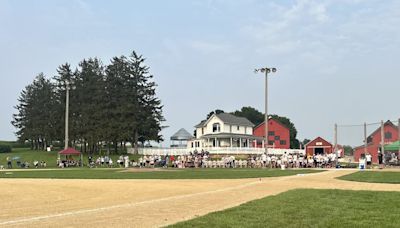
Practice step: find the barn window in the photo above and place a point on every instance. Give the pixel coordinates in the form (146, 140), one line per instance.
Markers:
(271, 142)
(277, 137)
(271, 133)
(282, 142)
(388, 135)
(216, 127)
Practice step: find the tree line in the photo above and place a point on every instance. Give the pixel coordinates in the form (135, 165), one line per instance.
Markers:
(109, 105)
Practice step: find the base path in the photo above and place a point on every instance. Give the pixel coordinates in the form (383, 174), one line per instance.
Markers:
(145, 203)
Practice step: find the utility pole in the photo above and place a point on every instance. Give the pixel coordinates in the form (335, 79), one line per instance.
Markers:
(266, 70)
(365, 138)
(383, 141)
(335, 141)
(398, 136)
(67, 88)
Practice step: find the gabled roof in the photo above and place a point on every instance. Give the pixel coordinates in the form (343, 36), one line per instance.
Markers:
(234, 120)
(182, 134)
(228, 118)
(272, 119)
(317, 139)
(387, 123)
(201, 124)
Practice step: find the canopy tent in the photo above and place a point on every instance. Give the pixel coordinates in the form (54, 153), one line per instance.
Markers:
(69, 151)
(392, 147)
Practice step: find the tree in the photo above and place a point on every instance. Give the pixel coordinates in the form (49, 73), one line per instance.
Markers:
(35, 119)
(217, 111)
(252, 114)
(146, 123)
(111, 104)
(304, 142)
(348, 150)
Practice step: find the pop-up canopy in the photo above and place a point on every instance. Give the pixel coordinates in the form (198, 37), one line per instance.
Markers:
(69, 151)
(392, 147)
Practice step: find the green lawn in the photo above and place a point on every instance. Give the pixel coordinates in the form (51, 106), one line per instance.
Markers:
(309, 208)
(86, 173)
(373, 177)
(49, 157)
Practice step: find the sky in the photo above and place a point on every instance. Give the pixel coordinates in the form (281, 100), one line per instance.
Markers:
(337, 60)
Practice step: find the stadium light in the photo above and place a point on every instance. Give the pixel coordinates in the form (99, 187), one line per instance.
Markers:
(266, 70)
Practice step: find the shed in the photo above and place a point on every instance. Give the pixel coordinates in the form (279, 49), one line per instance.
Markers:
(318, 146)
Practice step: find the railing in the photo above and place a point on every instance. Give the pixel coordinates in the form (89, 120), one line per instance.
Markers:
(215, 150)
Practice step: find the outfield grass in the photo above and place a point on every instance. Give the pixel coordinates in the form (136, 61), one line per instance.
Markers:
(373, 177)
(309, 208)
(86, 173)
(50, 158)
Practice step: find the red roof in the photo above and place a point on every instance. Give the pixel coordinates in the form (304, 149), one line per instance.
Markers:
(69, 151)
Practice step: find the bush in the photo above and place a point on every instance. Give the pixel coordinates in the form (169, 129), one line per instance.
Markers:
(5, 148)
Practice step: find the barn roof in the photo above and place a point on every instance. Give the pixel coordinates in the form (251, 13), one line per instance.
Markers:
(317, 139)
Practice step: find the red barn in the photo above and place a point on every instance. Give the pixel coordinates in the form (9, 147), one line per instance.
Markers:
(278, 134)
(374, 141)
(318, 146)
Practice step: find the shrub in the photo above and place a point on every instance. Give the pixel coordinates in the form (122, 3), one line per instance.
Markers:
(5, 148)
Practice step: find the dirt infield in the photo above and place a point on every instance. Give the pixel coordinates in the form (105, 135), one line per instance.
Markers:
(145, 203)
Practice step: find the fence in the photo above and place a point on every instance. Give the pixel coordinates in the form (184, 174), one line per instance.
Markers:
(216, 150)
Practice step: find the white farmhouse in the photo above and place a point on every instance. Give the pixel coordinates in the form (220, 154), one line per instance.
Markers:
(224, 130)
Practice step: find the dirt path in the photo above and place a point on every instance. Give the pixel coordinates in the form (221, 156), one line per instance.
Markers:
(145, 203)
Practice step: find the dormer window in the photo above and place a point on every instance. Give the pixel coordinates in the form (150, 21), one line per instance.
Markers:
(216, 127)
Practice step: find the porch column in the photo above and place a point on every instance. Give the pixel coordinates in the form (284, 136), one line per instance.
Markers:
(208, 143)
(248, 143)
(231, 142)
(216, 142)
(240, 142)
(263, 144)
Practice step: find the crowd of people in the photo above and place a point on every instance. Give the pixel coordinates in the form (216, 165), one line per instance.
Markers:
(204, 160)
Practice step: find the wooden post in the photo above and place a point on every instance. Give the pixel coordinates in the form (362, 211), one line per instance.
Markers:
(365, 138)
(383, 141)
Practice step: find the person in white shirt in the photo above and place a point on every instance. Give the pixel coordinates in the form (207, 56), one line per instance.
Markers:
(368, 158)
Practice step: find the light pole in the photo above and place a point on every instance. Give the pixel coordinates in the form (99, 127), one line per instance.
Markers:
(67, 88)
(266, 70)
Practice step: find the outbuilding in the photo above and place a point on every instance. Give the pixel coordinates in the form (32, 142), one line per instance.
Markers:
(318, 146)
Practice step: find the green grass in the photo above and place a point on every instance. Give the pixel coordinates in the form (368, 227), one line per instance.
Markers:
(373, 177)
(28, 155)
(86, 173)
(309, 208)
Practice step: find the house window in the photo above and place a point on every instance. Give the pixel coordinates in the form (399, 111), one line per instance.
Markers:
(271, 142)
(271, 133)
(202, 130)
(216, 127)
(369, 139)
(238, 128)
(277, 137)
(388, 135)
(282, 142)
